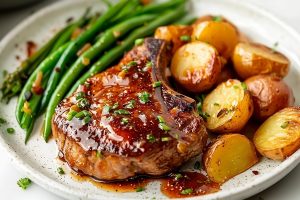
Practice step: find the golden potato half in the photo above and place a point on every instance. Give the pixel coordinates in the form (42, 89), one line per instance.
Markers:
(196, 66)
(229, 156)
(252, 59)
(222, 35)
(279, 136)
(269, 94)
(178, 35)
(228, 107)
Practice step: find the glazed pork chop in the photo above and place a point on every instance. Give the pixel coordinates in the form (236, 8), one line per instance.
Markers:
(127, 121)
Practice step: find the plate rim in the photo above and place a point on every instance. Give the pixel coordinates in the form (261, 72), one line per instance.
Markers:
(44, 181)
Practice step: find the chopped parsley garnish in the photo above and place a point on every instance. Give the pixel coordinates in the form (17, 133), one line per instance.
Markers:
(99, 154)
(284, 125)
(144, 97)
(161, 119)
(10, 130)
(156, 84)
(151, 138)
(106, 109)
(80, 95)
(82, 114)
(122, 112)
(132, 64)
(236, 87)
(24, 183)
(139, 189)
(216, 104)
(60, 171)
(165, 139)
(185, 38)
(130, 104)
(275, 45)
(244, 86)
(164, 127)
(115, 106)
(217, 18)
(197, 165)
(187, 191)
(148, 66)
(139, 41)
(178, 176)
(124, 121)
(2, 121)
(83, 103)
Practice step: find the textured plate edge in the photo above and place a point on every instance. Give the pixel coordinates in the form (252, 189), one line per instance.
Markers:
(258, 185)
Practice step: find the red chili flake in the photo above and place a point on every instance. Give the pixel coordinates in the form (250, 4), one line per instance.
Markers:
(31, 48)
(255, 172)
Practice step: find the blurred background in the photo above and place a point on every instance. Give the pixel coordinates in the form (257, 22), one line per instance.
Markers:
(13, 12)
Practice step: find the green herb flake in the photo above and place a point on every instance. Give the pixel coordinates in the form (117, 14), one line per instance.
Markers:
(2, 121)
(164, 127)
(165, 139)
(80, 95)
(61, 171)
(24, 183)
(216, 104)
(132, 64)
(236, 87)
(105, 110)
(178, 176)
(156, 84)
(204, 115)
(140, 189)
(187, 191)
(4, 73)
(115, 106)
(275, 45)
(161, 119)
(151, 138)
(197, 165)
(144, 97)
(185, 38)
(284, 125)
(124, 121)
(10, 130)
(139, 41)
(71, 114)
(244, 86)
(86, 120)
(83, 103)
(217, 18)
(122, 112)
(99, 154)
(130, 104)
(149, 64)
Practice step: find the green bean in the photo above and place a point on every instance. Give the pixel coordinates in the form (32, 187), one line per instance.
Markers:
(111, 56)
(76, 45)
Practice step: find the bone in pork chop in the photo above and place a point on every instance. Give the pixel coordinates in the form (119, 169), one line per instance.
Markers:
(127, 121)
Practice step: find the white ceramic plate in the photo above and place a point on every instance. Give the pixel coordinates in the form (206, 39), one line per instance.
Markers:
(38, 159)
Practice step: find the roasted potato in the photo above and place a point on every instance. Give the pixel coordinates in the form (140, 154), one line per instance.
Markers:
(228, 107)
(178, 35)
(269, 94)
(229, 156)
(251, 59)
(196, 66)
(222, 35)
(279, 136)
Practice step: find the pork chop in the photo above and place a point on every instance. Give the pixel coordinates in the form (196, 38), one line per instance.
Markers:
(127, 121)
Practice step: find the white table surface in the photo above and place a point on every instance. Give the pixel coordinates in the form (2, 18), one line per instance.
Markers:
(287, 188)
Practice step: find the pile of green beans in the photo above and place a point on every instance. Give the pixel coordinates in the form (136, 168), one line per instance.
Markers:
(63, 68)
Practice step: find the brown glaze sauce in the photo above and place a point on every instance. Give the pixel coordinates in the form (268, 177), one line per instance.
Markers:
(189, 184)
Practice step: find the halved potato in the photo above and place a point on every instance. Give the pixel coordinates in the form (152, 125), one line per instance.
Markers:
(196, 66)
(279, 136)
(269, 94)
(178, 35)
(251, 59)
(228, 107)
(229, 156)
(222, 35)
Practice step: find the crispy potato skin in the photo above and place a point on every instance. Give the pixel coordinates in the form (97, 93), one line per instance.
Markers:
(279, 136)
(212, 32)
(173, 34)
(252, 59)
(229, 156)
(269, 94)
(196, 66)
(229, 107)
